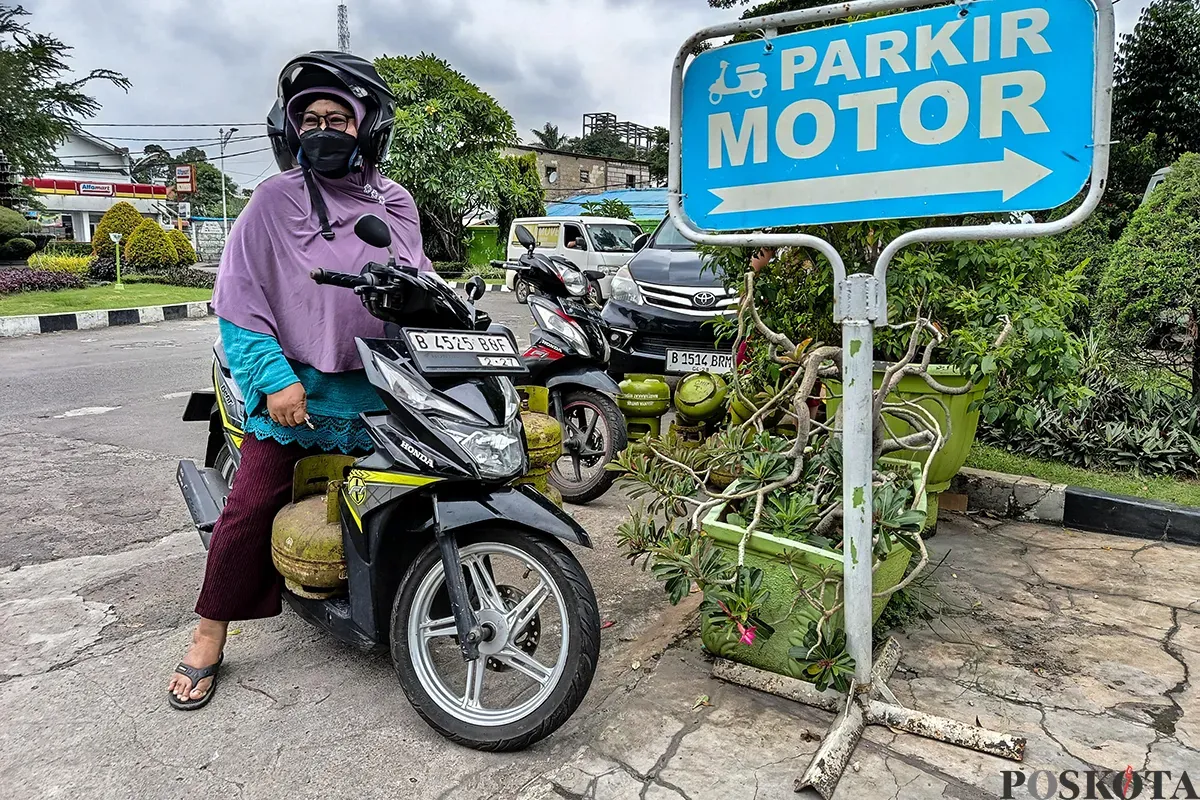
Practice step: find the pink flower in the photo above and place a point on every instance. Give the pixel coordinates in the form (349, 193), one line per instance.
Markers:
(747, 634)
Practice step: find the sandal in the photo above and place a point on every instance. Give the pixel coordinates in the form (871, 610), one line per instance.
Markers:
(196, 674)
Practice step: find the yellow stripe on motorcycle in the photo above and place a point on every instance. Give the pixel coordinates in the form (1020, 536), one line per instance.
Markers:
(392, 478)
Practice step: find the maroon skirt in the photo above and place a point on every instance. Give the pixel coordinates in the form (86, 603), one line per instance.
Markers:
(240, 581)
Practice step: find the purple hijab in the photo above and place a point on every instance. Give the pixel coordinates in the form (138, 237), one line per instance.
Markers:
(263, 283)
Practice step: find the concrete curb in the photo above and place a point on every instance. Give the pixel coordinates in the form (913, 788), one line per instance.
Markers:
(1033, 500)
(92, 320)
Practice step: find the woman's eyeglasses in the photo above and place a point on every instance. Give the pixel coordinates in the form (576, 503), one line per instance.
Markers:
(335, 121)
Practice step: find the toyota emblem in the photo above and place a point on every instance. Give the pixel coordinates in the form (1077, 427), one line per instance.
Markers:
(704, 300)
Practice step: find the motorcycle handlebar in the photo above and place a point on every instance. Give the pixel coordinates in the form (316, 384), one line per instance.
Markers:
(341, 279)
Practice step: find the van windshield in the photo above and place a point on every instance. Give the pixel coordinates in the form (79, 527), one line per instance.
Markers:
(613, 238)
(668, 237)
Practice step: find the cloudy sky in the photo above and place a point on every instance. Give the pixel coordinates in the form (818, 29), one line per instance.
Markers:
(216, 61)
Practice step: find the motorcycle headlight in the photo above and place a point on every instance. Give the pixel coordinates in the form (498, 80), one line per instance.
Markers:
(411, 393)
(573, 279)
(497, 452)
(548, 320)
(624, 289)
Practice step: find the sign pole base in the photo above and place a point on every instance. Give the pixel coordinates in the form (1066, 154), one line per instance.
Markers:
(873, 704)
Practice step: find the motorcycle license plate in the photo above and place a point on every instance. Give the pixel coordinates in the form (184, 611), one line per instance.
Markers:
(464, 352)
(684, 361)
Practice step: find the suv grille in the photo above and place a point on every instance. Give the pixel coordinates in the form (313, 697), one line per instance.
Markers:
(659, 346)
(684, 299)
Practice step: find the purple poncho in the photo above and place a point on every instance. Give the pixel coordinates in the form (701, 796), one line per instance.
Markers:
(263, 283)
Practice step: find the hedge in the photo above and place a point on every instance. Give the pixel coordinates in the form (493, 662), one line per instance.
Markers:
(177, 276)
(17, 249)
(14, 224)
(450, 269)
(36, 280)
(183, 248)
(150, 248)
(122, 218)
(60, 263)
(61, 247)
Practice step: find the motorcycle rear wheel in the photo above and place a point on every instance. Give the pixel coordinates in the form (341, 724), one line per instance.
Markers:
(532, 674)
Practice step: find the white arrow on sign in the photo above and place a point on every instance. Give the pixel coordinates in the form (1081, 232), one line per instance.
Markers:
(1013, 175)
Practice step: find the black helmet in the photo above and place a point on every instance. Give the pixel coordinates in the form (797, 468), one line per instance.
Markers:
(285, 156)
(325, 68)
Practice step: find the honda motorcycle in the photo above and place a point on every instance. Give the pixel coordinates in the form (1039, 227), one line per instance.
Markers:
(568, 355)
(491, 622)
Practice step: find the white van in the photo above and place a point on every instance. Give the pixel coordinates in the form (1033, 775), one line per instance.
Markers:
(594, 244)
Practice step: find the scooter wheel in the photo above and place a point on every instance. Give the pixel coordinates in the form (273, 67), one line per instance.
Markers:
(580, 474)
(516, 693)
(522, 292)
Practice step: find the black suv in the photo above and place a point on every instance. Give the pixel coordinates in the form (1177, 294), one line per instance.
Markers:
(661, 310)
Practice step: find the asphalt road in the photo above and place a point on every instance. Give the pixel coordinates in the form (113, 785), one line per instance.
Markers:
(99, 569)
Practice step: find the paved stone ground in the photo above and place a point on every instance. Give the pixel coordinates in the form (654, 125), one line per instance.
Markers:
(1081, 642)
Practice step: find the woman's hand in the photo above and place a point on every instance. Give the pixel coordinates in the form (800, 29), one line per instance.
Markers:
(289, 406)
(762, 258)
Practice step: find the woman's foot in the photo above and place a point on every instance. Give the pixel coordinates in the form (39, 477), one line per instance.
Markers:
(208, 643)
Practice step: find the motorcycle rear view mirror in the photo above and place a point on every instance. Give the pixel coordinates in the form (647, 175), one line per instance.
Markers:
(639, 244)
(476, 288)
(374, 231)
(525, 237)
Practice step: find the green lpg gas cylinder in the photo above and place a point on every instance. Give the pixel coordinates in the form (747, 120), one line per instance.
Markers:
(644, 396)
(701, 397)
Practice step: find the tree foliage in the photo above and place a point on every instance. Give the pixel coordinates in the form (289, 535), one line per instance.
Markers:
(1156, 87)
(157, 165)
(1149, 300)
(40, 107)
(122, 218)
(604, 143)
(519, 193)
(659, 154)
(550, 138)
(150, 248)
(446, 149)
(609, 207)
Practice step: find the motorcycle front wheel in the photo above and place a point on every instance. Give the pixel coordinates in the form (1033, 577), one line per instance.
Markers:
(542, 640)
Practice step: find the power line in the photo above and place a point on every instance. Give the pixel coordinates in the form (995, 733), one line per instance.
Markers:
(170, 124)
(189, 139)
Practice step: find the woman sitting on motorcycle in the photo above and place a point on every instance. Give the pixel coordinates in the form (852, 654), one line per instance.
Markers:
(289, 342)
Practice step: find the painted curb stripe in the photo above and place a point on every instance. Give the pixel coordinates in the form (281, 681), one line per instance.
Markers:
(32, 324)
(1137, 517)
(52, 323)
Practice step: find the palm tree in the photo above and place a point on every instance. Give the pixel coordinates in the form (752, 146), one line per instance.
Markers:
(549, 137)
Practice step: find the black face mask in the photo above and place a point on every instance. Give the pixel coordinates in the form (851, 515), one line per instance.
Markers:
(329, 153)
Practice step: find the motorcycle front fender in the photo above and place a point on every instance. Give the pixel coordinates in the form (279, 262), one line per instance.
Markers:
(584, 377)
(522, 507)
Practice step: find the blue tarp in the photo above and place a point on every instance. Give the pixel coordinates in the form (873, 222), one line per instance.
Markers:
(646, 203)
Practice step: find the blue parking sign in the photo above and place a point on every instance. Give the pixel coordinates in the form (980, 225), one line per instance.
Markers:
(978, 107)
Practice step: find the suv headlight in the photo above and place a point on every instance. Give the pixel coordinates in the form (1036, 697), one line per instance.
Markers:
(497, 452)
(624, 289)
(549, 320)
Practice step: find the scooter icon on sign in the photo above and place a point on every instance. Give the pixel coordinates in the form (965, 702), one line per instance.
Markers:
(751, 81)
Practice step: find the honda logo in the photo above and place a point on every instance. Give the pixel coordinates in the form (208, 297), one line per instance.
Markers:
(704, 300)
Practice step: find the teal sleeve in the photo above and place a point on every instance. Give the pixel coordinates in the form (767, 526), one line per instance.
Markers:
(257, 362)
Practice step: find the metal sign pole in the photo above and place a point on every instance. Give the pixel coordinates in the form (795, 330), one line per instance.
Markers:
(860, 305)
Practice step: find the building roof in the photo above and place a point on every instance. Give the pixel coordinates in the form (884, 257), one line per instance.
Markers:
(646, 203)
(571, 154)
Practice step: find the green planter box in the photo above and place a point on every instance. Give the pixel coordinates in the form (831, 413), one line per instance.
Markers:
(964, 418)
(775, 558)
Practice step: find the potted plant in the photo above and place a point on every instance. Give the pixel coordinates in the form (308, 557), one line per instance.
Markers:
(972, 293)
(753, 519)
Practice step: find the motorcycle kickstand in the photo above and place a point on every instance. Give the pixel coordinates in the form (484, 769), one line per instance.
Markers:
(470, 633)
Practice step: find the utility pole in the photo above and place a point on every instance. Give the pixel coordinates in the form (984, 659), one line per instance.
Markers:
(343, 28)
(225, 137)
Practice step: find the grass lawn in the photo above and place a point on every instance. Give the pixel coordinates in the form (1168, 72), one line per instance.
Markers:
(1171, 490)
(132, 295)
